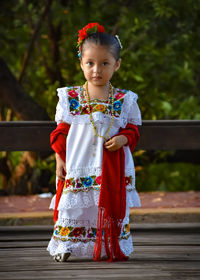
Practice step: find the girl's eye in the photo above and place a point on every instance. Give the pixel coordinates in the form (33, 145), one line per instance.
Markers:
(89, 63)
(105, 63)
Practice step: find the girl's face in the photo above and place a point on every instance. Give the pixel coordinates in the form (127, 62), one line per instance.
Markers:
(98, 64)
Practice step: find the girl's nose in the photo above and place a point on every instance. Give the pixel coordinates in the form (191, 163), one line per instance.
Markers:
(97, 69)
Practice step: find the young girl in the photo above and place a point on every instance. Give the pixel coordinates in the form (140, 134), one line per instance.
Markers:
(94, 140)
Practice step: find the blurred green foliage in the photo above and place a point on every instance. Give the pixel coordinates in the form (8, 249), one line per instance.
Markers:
(160, 60)
(160, 56)
(168, 177)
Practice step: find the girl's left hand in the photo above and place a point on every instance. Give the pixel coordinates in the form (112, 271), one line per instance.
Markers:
(116, 143)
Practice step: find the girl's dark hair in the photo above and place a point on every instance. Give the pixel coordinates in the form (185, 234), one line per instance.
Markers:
(104, 39)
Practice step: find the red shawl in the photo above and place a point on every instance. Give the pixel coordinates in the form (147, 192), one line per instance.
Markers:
(112, 200)
(58, 144)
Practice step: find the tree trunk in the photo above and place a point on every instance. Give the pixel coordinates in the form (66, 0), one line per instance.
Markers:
(14, 97)
(19, 180)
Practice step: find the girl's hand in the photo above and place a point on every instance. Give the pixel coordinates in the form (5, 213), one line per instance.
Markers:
(60, 167)
(116, 143)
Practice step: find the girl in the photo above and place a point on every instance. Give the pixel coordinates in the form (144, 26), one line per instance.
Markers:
(97, 132)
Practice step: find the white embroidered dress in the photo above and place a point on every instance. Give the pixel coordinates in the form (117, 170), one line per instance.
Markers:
(75, 229)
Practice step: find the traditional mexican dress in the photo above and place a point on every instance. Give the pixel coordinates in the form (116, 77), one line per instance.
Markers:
(75, 229)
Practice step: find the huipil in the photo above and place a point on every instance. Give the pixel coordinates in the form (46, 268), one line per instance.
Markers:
(75, 229)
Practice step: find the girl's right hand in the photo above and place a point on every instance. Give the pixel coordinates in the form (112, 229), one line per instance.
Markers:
(60, 168)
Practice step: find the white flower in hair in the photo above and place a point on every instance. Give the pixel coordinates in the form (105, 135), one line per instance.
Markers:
(117, 37)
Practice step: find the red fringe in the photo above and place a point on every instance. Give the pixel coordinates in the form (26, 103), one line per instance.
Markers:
(109, 230)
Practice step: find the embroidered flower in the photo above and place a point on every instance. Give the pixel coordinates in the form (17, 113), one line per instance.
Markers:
(64, 231)
(88, 181)
(94, 230)
(123, 233)
(56, 232)
(128, 180)
(77, 231)
(72, 93)
(90, 234)
(127, 228)
(117, 105)
(68, 182)
(119, 95)
(100, 107)
(86, 111)
(98, 180)
(74, 103)
(78, 185)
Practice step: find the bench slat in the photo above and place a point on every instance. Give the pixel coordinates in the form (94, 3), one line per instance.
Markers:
(155, 135)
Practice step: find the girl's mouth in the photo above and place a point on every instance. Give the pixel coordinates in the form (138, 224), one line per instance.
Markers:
(96, 78)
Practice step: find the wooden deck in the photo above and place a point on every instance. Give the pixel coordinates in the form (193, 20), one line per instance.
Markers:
(162, 251)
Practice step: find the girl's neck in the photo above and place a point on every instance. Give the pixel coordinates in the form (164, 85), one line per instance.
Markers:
(98, 92)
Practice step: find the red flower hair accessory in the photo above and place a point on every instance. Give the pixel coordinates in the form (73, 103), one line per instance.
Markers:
(88, 29)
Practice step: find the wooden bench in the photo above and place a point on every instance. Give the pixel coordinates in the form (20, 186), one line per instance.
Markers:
(155, 135)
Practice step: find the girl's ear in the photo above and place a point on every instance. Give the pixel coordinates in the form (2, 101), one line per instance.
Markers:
(81, 64)
(117, 65)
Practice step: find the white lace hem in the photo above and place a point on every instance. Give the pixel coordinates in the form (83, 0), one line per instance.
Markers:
(85, 250)
(85, 200)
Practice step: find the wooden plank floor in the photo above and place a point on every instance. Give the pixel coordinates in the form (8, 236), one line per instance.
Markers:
(161, 252)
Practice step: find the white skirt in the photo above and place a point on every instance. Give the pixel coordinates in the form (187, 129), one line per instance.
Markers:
(75, 229)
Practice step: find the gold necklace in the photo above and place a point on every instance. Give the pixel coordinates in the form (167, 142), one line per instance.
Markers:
(90, 113)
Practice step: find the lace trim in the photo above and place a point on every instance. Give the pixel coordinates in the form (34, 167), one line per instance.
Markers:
(84, 250)
(78, 200)
(83, 172)
(130, 110)
(95, 171)
(85, 200)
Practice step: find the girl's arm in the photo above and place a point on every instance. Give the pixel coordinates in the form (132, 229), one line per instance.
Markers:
(60, 168)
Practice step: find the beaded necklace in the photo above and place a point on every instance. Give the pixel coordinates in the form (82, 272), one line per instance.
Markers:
(90, 113)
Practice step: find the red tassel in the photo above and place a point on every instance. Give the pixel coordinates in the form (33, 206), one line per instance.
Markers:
(110, 230)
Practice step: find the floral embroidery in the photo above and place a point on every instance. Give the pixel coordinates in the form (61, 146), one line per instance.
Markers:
(100, 108)
(88, 181)
(127, 228)
(128, 180)
(77, 231)
(117, 105)
(65, 231)
(73, 93)
(98, 180)
(83, 234)
(119, 95)
(86, 184)
(91, 232)
(78, 104)
(85, 109)
(68, 183)
(74, 104)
